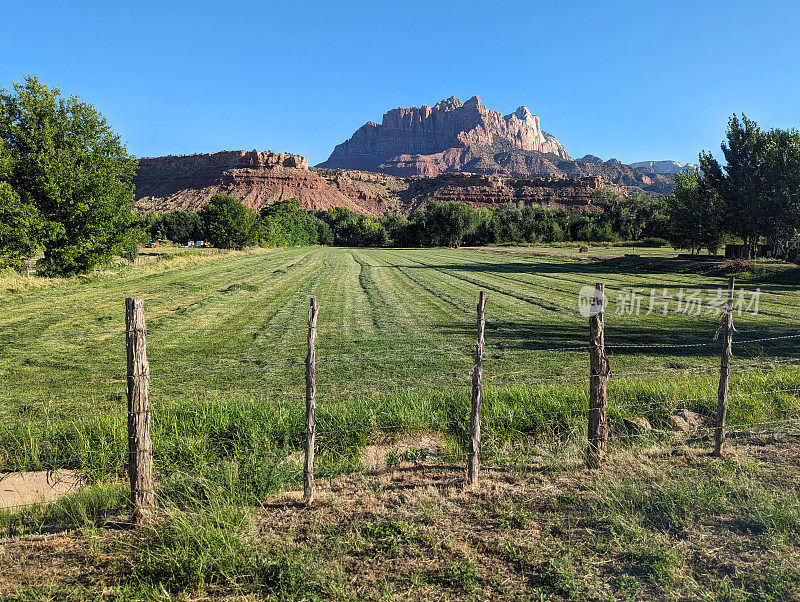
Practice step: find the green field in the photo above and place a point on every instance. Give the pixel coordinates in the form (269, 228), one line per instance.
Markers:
(226, 345)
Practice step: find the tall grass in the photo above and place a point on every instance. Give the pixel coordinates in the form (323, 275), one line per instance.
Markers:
(259, 445)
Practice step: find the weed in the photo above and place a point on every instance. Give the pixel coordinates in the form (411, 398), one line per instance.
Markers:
(463, 575)
(515, 519)
(558, 574)
(658, 564)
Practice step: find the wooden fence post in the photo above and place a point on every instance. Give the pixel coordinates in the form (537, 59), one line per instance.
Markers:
(311, 404)
(473, 459)
(598, 381)
(724, 370)
(140, 444)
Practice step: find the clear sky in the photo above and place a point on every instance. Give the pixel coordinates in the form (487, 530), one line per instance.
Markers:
(632, 80)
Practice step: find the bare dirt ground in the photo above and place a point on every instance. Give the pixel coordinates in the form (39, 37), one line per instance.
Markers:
(21, 488)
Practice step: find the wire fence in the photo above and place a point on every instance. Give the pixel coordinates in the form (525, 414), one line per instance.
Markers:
(464, 418)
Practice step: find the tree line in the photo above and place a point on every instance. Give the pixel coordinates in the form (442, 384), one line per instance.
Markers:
(227, 223)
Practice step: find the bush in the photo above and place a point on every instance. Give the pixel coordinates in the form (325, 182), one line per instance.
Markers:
(654, 242)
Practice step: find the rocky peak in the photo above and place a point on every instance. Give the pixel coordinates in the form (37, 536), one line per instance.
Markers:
(448, 104)
(475, 102)
(450, 124)
(663, 167)
(523, 112)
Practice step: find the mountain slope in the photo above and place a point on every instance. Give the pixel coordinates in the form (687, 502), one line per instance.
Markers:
(663, 167)
(260, 179)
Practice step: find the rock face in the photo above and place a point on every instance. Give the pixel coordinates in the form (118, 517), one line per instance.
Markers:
(260, 179)
(453, 136)
(228, 159)
(257, 178)
(448, 125)
(477, 190)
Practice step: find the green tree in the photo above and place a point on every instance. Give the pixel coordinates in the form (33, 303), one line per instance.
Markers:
(181, 226)
(324, 232)
(72, 176)
(20, 223)
(782, 172)
(759, 185)
(694, 214)
(285, 223)
(20, 226)
(396, 227)
(448, 223)
(228, 224)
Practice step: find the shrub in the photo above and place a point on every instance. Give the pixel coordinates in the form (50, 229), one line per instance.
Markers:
(654, 242)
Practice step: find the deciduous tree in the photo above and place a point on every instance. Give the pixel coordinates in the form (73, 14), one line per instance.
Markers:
(228, 224)
(70, 178)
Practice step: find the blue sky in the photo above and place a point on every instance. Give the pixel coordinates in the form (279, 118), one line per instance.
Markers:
(632, 80)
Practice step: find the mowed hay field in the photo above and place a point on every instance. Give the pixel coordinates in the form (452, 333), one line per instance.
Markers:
(227, 344)
(396, 335)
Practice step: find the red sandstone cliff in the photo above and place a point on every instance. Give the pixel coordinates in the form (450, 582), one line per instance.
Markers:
(450, 124)
(257, 178)
(468, 137)
(260, 179)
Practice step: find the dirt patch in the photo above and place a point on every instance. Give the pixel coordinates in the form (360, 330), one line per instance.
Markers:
(22, 488)
(411, 448)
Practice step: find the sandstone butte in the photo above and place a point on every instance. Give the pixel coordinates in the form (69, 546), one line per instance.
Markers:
(262, 178)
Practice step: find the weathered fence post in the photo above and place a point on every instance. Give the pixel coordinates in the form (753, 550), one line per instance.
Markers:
(598, 381)
(140, 445)
(473, 459)
(724, 370)
(311, 404)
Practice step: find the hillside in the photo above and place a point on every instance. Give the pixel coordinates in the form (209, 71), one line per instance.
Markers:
(260, 179)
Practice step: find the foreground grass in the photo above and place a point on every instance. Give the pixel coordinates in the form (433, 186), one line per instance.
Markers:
(226, 344)
(656, 523)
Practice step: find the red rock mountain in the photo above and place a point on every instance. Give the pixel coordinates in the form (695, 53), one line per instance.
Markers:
(260, 179)
(451, 151)
(407, 137)
(453, 136)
